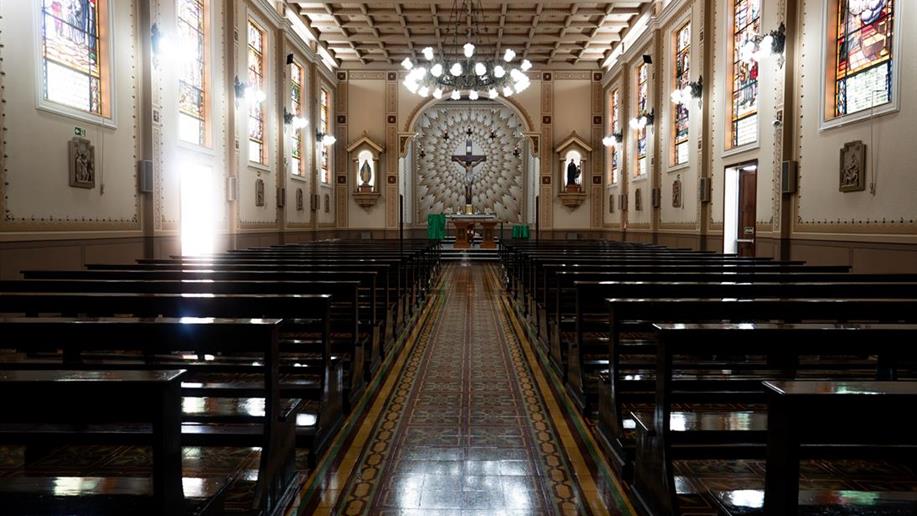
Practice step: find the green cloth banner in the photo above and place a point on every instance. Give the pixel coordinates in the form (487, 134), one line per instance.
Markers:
(520, 231)
(436, 226)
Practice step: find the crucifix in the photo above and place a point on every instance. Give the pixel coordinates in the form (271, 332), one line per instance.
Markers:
(468, 161)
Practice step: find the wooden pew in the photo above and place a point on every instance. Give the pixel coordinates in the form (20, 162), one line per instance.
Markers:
(585, 348)
(350, 335)
(818, 412)
(216, 414)
(717, 433)
(79, 398)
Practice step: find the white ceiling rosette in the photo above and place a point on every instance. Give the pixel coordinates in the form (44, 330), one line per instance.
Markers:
(495, 132)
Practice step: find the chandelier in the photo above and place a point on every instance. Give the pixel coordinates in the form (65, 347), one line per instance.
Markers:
(460, 72)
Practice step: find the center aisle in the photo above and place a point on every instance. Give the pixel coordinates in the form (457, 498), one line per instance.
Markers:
(467, 426)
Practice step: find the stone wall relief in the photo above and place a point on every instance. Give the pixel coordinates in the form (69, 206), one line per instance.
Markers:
(82, 163)
(853, 167)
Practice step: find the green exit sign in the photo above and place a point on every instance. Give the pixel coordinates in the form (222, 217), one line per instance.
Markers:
(79, 131)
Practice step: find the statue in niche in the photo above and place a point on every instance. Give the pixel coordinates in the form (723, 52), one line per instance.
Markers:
(327, 199)
(366, 175)
(676, 192)
(82, 163)
(574, 172)
(259, 192)
(300, 203)
(638, 200)
(853, 167)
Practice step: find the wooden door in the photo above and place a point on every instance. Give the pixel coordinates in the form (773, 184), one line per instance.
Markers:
(748, 191)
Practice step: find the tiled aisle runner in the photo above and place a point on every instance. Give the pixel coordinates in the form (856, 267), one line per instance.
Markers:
(465, 428)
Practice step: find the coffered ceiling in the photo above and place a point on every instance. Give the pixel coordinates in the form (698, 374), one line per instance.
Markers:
(380, 33)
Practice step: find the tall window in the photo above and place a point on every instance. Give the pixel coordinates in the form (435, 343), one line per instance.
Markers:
(744, 117)
(256, 80)
(296, 108)
(680, 114)
(192, 72)
(615, 117)
(863, 55)
(324, 112)
(74, 46)
(642, 99)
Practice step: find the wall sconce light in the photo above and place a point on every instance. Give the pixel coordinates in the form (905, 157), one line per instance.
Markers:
(692, 90)
(325, 139)
(643, 120)
(293, 121)
(770, 44)
(247, 93)
(612, 139)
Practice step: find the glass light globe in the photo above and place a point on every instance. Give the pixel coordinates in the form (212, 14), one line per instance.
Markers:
(516, 74)
(492, 93)
(423, 91)
(407, 63)
(676, 97)
(420, 72)
(469, 49)
(526, 65)
(608, 141)
(436, 70)
(456, 95)
(473, 95)
(428, 53)
(507, 91)
(456, 69)
(509, 55)
(480, 69)
(499, 72)
(438, 93)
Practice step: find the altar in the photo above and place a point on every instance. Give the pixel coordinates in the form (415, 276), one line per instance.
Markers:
(464, 230)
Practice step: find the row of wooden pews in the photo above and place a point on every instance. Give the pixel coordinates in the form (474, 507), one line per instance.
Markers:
(264, 348)
(680, 355)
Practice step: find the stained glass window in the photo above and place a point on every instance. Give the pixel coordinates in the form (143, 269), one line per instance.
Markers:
(192, 72)
(642, 99)
(75, 73)
(324, 112)
(682, 74)
(863, 55)
(296, 89)
(615, 117)
(746, 27)
(256, 80)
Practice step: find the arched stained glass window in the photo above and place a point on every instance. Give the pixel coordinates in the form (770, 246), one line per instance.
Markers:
(615, 118)
(746, 26)
(297, 81)
(642, 100)
(863, 55)
(74, 55)
(256, 135)
(324, 121)
(192, 71)
(680, 112)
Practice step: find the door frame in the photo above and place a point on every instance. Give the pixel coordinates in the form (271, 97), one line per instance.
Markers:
(739, 166)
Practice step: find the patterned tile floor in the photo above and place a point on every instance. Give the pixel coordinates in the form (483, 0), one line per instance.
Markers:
(464, 428)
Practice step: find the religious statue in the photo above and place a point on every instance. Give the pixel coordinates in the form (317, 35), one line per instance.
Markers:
(573, 175)
(468, 161)
(366, 175)
(676, 192)
(82, 163)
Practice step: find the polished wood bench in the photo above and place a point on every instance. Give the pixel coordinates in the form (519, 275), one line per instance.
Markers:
(214, 412)
(801, 413)
(581, 340)
(40, 405)
(695, 431)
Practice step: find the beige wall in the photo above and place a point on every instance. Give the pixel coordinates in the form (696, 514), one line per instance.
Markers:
(818, 222)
